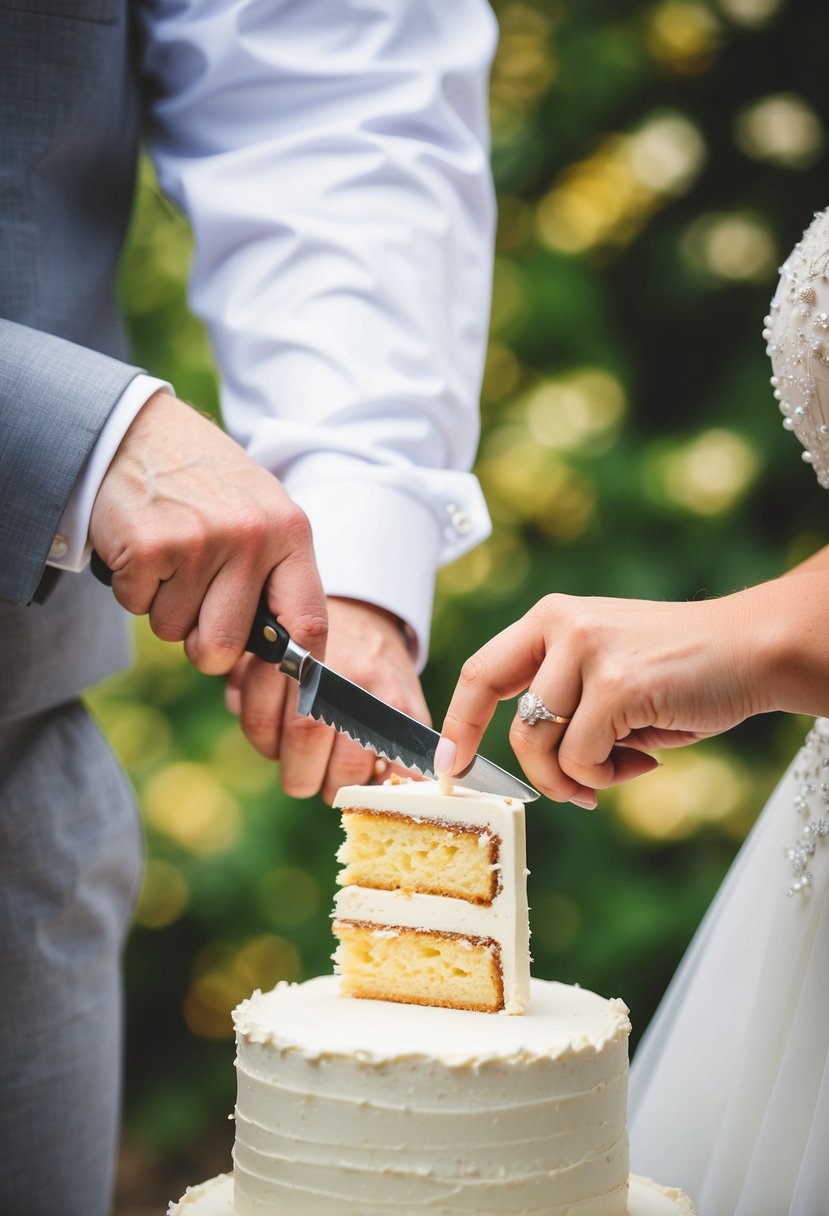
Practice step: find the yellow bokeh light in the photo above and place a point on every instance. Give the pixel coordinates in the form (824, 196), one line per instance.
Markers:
(735, 247)
(509, 295)
(711, 473)
(224, 974)
(139, 733)
(782, 129)
(666, 153)
(502, 373)
(239, 766)
(164, 895)
(683, 36)
(609, 196)
(524, 63)
(582, 409)
(188, 804)
(751, 13)
(695, 787)
(264, 960)
(525, 482)
(498, 567)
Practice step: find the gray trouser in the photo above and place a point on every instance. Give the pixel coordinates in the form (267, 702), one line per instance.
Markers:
(70, 860)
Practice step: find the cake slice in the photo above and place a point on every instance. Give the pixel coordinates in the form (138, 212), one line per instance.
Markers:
(433, 906)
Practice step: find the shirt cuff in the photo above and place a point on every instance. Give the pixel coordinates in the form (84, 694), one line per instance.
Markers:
(70, 548)
(380, 545)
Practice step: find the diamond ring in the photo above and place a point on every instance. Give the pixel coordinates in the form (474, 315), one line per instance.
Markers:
(531, 709)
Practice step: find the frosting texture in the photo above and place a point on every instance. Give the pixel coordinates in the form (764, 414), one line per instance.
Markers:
(375, 1108)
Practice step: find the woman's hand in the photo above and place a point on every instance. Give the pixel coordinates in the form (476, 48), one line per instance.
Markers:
(631, 675)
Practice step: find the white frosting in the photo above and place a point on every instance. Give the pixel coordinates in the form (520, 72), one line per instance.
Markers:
(382, 1109)
(648, 1198)
(505, 920)
(645, 1198)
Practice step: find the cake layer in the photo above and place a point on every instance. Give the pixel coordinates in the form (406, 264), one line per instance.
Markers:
(420, 967)
(375, 1108)
(645, 1198)
(406, 835)
(394, 852)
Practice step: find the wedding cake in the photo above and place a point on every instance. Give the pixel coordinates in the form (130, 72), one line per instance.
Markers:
(415, 1100)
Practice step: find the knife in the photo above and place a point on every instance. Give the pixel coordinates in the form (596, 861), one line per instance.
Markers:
(350, 709)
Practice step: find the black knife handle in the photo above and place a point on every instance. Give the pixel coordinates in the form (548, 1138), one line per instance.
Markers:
(100, 569)
(268, 639)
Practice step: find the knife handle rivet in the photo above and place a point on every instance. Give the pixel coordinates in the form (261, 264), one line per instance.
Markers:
(269, 633)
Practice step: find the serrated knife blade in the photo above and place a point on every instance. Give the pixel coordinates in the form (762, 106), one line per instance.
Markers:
(338, 702)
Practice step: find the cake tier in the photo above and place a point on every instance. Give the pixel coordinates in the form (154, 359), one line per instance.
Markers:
(645, 1198)
(372, 1109)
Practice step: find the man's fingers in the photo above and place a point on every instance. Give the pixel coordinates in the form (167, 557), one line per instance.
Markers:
(348, 764)
(304, 752)
(261, 697)
(295, 592)
(537, 743)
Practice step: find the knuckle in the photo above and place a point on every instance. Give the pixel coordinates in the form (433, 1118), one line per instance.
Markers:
(168, 631)
(307, 732)
(250, 525)
(472, 671)
(310, 630)
(616, 681)
(296, 787)
(296, 527)
(257, 725)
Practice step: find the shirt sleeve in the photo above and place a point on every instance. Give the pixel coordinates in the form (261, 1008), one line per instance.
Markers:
(333, 161)
(70, 547)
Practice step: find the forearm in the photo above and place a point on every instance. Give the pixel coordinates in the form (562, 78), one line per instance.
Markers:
(781, 630)
(55, 398)
(348, 297)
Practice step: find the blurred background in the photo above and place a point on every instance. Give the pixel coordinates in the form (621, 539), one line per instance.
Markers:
(655, 163)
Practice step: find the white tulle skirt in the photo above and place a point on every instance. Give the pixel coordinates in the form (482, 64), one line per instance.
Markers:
(730, 1085)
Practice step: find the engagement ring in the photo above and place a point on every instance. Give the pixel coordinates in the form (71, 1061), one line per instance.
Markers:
(532, 709)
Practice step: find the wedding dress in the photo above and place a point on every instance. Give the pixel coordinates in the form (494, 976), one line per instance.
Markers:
(730, 1085)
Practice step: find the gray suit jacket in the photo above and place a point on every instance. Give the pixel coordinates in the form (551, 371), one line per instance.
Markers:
(69, 119)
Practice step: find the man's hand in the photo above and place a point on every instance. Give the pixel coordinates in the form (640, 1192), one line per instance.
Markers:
(367, 645)
(193, 529)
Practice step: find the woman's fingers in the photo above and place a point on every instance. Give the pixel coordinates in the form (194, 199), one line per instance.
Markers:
(498, 671)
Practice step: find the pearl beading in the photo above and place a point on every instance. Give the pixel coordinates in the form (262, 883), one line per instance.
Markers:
(797, 335)
(811, 804)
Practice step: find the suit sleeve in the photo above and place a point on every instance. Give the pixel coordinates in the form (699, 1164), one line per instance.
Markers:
(55, 397)
(333, 160)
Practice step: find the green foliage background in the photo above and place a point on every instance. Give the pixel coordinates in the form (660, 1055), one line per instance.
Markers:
(655, 162)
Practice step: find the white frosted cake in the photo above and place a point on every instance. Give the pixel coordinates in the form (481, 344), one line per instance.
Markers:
(396, 1107)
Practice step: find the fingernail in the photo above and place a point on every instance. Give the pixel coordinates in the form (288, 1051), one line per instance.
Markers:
(445, 754)
(233, 701)
(586, 804)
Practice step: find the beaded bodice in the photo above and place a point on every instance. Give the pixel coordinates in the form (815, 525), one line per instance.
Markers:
(797, 333)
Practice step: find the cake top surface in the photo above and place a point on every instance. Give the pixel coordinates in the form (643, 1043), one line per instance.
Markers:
(425, 798)
(316, 1021)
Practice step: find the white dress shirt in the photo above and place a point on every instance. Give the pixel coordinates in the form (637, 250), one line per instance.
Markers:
(332, 159)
